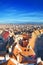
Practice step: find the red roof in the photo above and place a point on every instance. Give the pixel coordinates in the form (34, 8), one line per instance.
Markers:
(5, 35)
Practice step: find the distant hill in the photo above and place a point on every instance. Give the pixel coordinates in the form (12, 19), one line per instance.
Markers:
(24, 23)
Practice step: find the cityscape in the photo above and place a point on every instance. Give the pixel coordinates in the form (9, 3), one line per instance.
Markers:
(21, 32)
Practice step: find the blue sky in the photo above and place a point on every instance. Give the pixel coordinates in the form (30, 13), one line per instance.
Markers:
(21, 11)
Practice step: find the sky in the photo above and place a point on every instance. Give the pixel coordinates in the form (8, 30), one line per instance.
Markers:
(21, 11)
